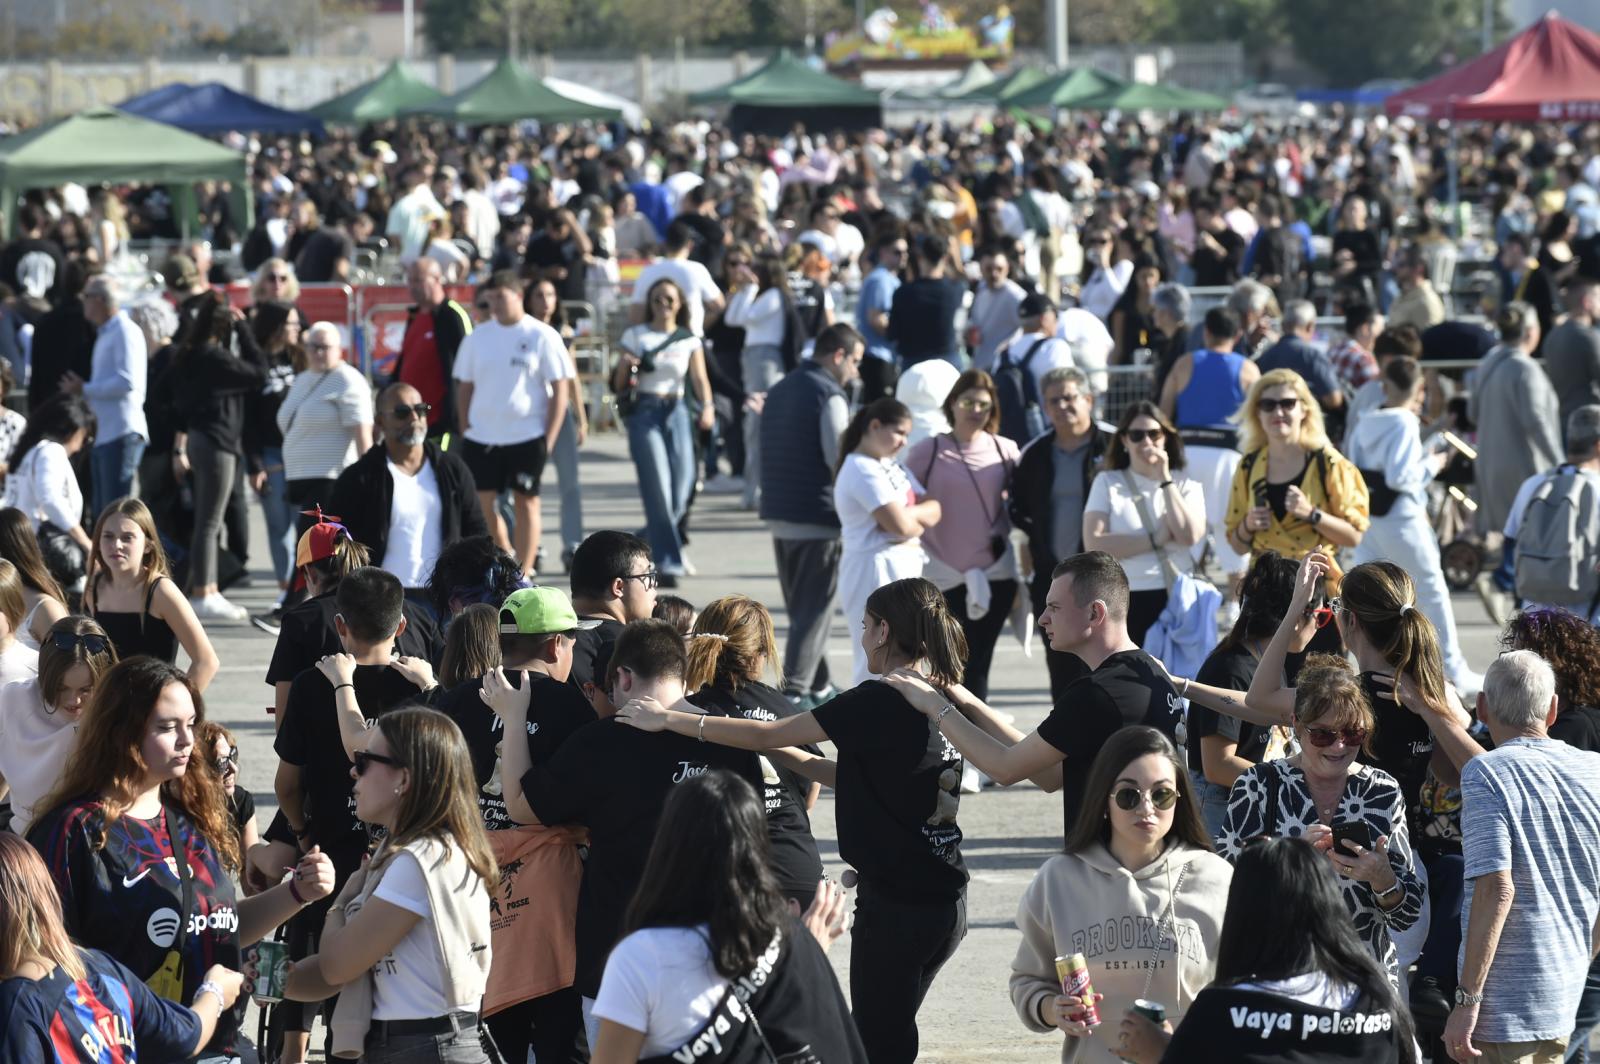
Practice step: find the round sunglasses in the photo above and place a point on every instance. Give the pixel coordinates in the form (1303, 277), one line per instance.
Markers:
(1128, 798)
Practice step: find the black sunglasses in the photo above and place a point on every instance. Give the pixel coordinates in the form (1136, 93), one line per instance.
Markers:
(1324, 737)
(1269, 405)
(1128, 798)
(406, 413)
(91, 643)
(1140, 435)
(364, 760)
(227, 761)
(648, 578)
(482, 306)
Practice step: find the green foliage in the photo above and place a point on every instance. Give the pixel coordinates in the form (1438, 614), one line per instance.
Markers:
(1352, 41)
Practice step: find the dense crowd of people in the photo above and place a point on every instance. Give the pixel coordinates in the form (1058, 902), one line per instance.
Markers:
(1198, 402)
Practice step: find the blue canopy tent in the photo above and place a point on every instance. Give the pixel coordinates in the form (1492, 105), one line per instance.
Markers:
(213, 109)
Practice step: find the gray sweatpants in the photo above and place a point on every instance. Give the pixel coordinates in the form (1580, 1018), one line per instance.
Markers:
(808, 573)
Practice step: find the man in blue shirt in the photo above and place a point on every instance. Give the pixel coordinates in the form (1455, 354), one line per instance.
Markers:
(115, 392)
(1299, 351)
(879, 369)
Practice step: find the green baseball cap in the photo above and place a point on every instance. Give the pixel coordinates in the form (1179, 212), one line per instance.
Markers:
(540, 611)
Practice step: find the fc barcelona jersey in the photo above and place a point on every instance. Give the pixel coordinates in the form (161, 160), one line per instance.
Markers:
(108, 1017)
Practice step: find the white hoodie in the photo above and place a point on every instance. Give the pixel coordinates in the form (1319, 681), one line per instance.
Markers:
(1088, 903)
(1389, 440)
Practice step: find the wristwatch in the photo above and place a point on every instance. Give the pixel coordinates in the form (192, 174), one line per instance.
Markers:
(1464, 998)
(1316, 517)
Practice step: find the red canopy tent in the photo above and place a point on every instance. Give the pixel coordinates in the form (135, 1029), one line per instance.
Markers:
(1548, 72)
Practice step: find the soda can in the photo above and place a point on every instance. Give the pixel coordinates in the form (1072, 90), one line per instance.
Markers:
(1073, 971)
(272, 971)
(1154, 1011)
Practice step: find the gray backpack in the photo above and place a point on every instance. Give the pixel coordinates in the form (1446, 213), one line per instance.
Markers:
(1559, 542)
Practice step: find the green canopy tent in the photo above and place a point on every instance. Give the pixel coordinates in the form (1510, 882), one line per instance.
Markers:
(786, 90)
(385, 96)
(976, 76)
(1066, 89)
(103, 145)
(1007, 88)
(511, 93)
(1140, 96)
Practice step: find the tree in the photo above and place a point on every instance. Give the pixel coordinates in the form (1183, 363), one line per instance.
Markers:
(1353, 41)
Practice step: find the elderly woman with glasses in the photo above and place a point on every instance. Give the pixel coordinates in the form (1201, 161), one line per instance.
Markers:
(326, 420)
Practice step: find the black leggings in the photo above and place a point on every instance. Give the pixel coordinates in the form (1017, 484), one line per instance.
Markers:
(983, 633)
(552, 1026)
(896, 948)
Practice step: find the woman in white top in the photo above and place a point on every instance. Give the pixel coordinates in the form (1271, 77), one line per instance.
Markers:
(413, 923)
(18, 660)
(759, 304)
(1104, 279)
(1386, 446)
(43, 485)
(326, 419)
(967, 471)
(39, 716)
(1144, 511)
(882, 512)
(661, 355)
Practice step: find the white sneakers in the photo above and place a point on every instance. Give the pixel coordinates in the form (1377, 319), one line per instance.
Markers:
(216, 608)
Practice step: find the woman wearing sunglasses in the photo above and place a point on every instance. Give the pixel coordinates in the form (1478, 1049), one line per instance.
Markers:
(1326, 789)
(1292, 493)
(1137, 857)
(216, 742)
(968, 472)
(1145, 511)
(412, 925)
(139, 844)
(39, 716)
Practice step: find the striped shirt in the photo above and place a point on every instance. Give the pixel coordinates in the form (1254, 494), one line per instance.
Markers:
(318, 419)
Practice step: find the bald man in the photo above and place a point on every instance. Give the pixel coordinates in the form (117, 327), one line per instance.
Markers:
(405, 498)
(434, 331)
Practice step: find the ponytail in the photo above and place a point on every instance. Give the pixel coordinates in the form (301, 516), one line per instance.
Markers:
(732, 643)
(1383, 599)
(922, 627)
(885, 411)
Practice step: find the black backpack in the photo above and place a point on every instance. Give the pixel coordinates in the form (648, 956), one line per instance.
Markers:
(1282, 256)
(1020, 417)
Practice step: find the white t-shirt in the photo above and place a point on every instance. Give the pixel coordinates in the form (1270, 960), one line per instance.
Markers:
(1053, 353)
(317, 420)
(416, 525)
(661, 981)
(35, 745)
(1091, 343)
(671, 361)
(863, 485)
(692, 279)
(513, 369)
(406, 982)
(1109, 495)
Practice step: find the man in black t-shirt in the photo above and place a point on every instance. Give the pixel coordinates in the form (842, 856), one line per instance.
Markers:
(613, 582)
(1086, 613)
(613, 780)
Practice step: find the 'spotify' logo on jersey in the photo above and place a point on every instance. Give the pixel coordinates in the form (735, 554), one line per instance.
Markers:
(162, 927)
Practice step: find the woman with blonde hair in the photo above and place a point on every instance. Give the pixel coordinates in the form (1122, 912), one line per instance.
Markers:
(731, 648)
(407, 940)
(1293, 492)
(56, 994)
(139, 843)
(43, 598)
(131, 593)
(275, 282)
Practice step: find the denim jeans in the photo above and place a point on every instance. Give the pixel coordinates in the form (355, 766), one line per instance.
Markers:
(112, 467)
(565, 459)
(1213, 799)
(279, 514)
(661, 443)
(459, 1046)
(1588, 1016)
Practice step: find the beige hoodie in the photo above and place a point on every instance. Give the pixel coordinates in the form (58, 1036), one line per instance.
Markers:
(1088, 903)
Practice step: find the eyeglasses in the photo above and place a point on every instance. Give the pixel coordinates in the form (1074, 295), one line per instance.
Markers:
(406, 413)
(1268, 406)
(647, 578)
(1323, 615)
(322, 347)
(665, 301)
(365, 760)
(1323, 737)
(980, 406)
(228, 762)
(482, 306)
(91, 643)
(1099, 243)
(1140, 435)
(1128, 798)
(280, 278)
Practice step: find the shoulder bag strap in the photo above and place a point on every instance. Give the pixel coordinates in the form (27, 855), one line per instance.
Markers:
(1169, 569)
(1171, 920)
(180, 857)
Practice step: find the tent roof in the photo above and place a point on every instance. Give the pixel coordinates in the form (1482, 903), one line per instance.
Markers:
(215, 108)
(384, 97)
(1551, 70)
(976, 76)
(511, 93)
(1008, 87)
(1066, 89)
(1143, 96)
(632, 113)
(786, 81)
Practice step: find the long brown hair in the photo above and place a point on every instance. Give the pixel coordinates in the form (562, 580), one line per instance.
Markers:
(471, 645)
(885, 411)
(442, 801)
(154, 562)
(974, 380)
(20, 547)
(1117, 452)
(731, 643)
(30, 911)
(107, 763)
(922, 627)
(13, 606)
(1383, 599)
(55, 662)
(1121, 750)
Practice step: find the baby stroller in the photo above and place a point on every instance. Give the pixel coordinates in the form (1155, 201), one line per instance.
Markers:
(1461, 548)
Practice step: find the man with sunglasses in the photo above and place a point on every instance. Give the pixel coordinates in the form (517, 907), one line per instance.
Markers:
(613, 583)
(405, 498)
(435, 327)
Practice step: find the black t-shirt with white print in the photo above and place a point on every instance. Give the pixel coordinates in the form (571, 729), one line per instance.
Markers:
(613, 779)
(555, 711)
(795, 861)
(897, 793)
(1232, 669)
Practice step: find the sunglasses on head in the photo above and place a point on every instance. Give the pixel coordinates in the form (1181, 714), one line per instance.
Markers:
(1323, 737)
(1268, 406)
(1140, 435)
(91, 643)
(406, 413)
(365, 760)
(1162, 797)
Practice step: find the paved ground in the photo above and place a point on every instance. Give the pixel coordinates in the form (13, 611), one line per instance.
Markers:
(1009, 833)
